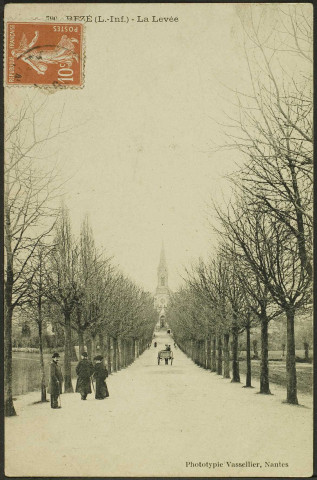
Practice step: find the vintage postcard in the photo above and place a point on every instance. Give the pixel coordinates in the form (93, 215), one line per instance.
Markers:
(158, 240)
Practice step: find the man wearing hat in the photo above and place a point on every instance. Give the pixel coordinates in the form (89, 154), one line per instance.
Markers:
(84, 371)
(56, 380)
(100, 374)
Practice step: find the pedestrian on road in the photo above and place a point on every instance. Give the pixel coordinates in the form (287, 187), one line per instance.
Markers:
(55, 381)
(100, 374)
(84, 371)
(155, 344)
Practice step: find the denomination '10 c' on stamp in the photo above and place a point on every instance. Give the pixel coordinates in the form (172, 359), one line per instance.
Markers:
(44, 54)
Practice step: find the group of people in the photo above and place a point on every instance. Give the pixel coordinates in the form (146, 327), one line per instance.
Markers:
(167, 347)
(86, 372)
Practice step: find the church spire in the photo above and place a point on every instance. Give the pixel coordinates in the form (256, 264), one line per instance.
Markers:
(162, 264)
(162, 273)
(162, 293)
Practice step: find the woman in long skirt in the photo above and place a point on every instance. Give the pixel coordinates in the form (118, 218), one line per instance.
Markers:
(100, 374)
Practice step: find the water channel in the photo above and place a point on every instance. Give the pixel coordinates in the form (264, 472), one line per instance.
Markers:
(27, 371)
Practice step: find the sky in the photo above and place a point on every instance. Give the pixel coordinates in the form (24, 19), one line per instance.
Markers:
(139, 152)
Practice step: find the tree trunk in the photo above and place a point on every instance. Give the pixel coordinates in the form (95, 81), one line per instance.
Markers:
(306, 348)
(199, 362)
(89, 347)
(56, 340)
(43, 380)
(93, 347)
(101, 344)
(68, 355)
(205, 348)
(197, 348)
(213, 356)
(74, 355)
(9, 409)
(248, 376)
(196, 352)
(264, 375)
(219, 359)
(130, 356)
(235, 356)
(301, 231)
(115, 354)
(290, 359)
(109, 354)
(81, 343)
(255, 350)
(132, 350)
(129, 351)
(124, 352)
(119, 348)
(208, 353)
(135, 343)
(226, 365)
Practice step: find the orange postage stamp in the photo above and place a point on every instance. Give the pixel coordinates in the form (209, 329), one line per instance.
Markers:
(44, 54)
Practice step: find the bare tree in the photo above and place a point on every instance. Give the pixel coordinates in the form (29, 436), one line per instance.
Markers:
(272, 254)
(272, 128)
(218, 284)
(257, 294)
(62, 278)
(96, 279)
(28, 213)
(274, 120)
(124, 316)
(261, 305)
(206, 283)
(37, 302)
(189, 320)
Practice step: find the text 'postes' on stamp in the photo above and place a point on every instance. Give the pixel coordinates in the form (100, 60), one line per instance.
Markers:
(44, 54)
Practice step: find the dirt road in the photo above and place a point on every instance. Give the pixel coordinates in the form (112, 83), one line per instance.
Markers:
(178, 420)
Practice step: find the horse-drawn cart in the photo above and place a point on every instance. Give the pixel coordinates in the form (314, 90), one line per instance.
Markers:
(166, 355)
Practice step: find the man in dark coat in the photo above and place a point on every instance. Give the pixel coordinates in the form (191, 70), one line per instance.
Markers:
(100, 374)
(56, 381)
(84, 371)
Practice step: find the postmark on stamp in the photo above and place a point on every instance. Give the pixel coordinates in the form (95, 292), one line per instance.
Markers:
(44, 54)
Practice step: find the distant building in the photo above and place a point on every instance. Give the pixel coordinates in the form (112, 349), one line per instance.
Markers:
(162, 293)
